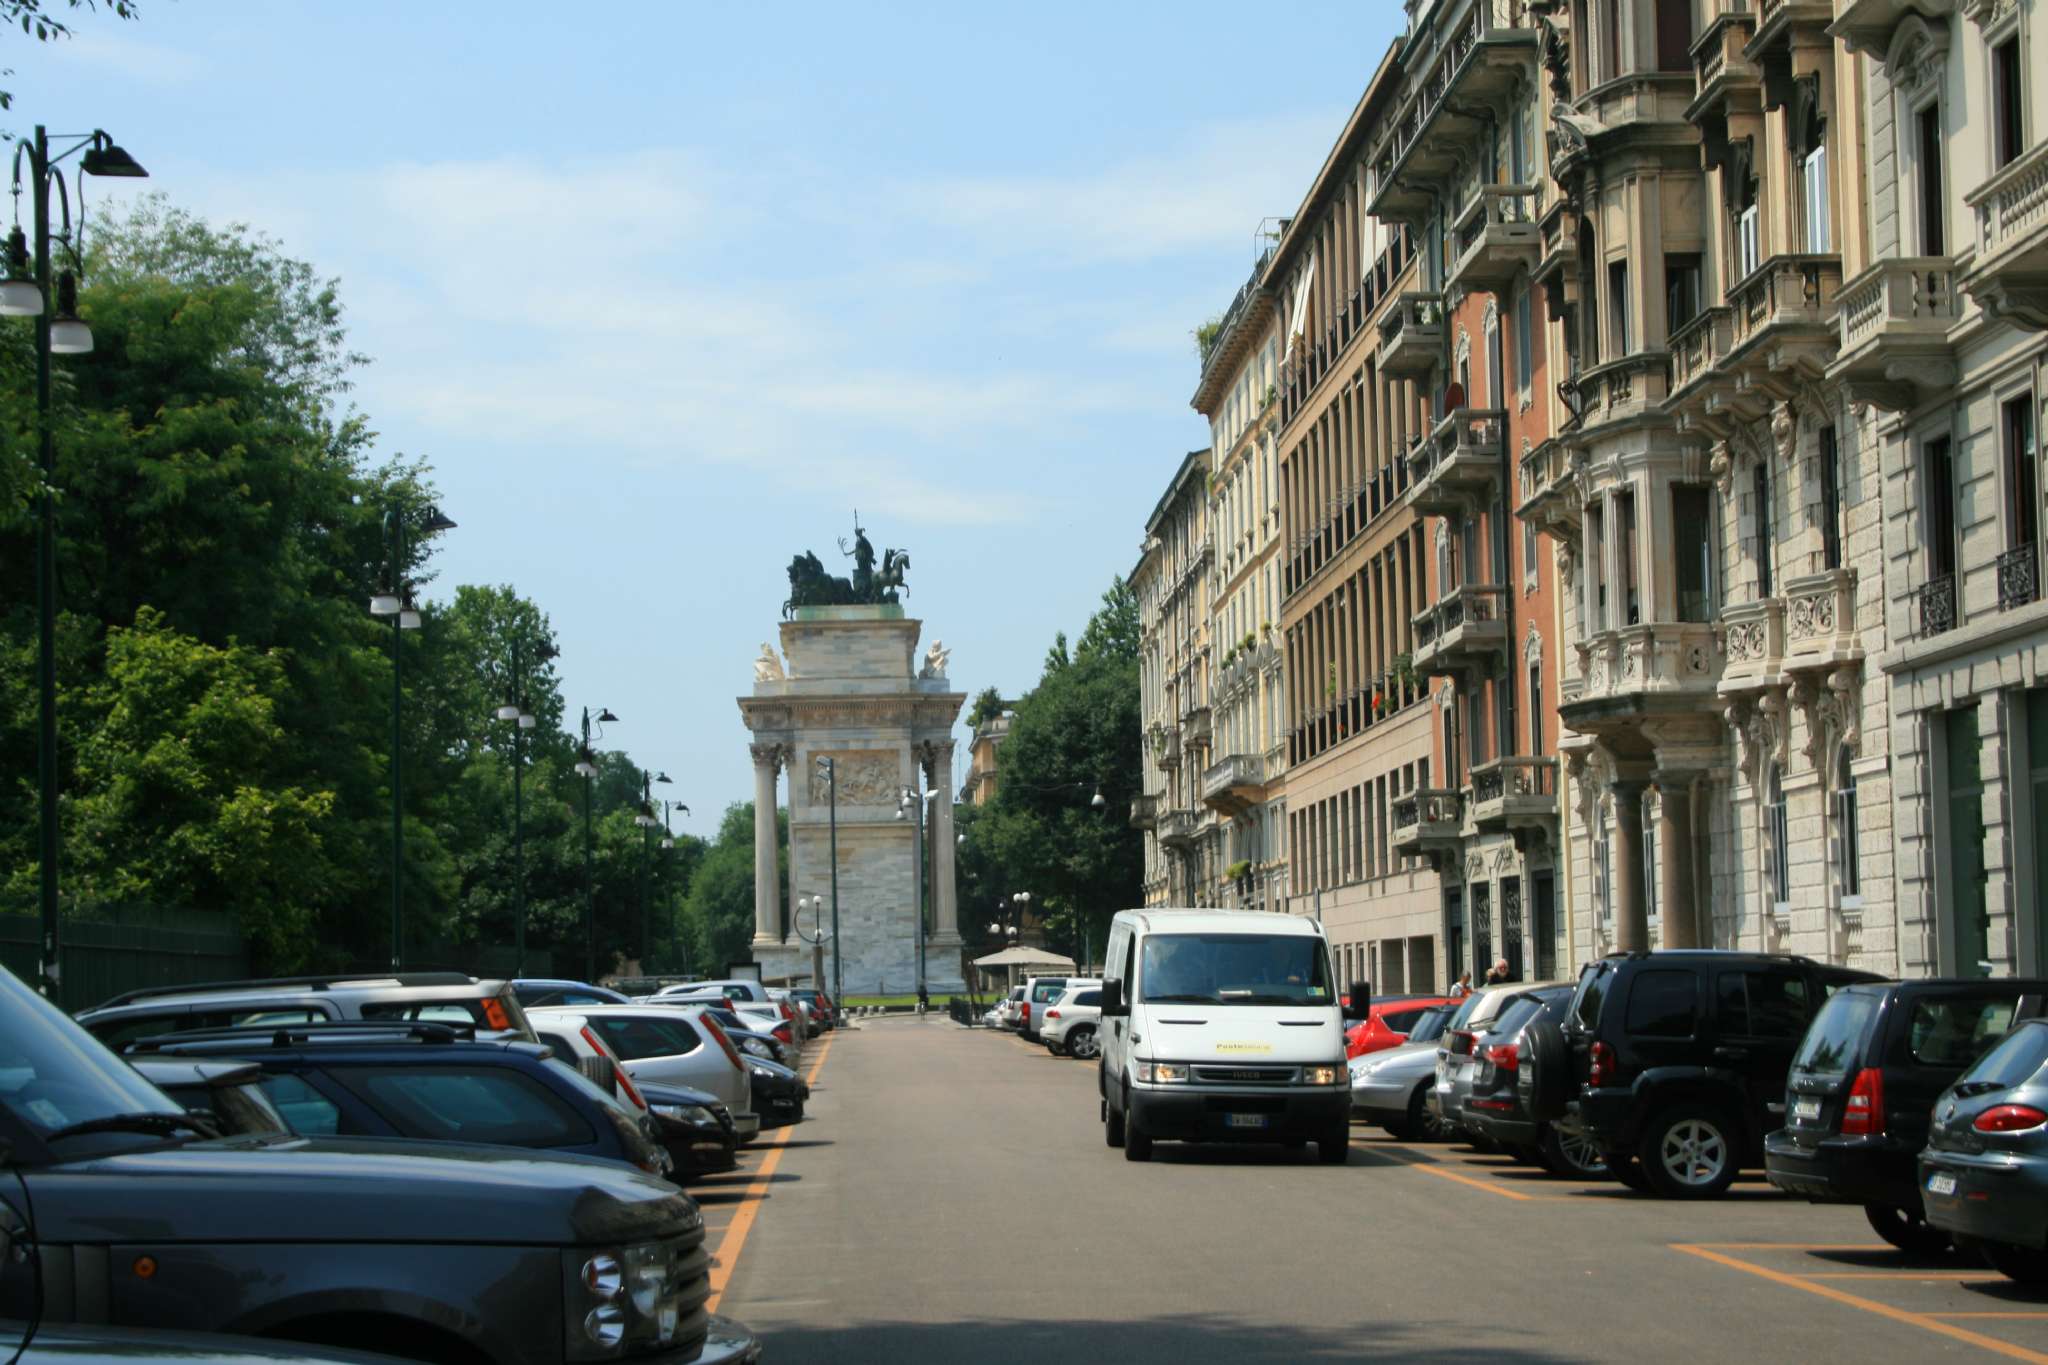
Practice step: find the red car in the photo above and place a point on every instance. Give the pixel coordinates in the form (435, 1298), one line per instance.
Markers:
(1388, 1023)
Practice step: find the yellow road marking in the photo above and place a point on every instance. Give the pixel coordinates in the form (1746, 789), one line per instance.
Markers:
(1988, 1315)
(1798, 1246)
(1896, 1274)
(1925, 1321)
(735, 1240)
(1433, 1169)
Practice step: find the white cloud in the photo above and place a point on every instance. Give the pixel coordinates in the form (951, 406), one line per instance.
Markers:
(109, 50)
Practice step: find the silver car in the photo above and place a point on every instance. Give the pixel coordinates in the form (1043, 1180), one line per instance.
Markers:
(1391, 1087)
(670, 1046)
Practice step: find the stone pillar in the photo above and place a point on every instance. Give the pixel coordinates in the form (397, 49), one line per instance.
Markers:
(945, 895)
(1676, 897)
(1631, 916)
(767, 874)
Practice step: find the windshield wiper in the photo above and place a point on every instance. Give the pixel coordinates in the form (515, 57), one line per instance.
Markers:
(1181, 1000)
(162, 1124)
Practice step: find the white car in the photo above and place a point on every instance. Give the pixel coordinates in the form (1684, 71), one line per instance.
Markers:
(1073, 1023)
(1012, 1008)
(668, 1046)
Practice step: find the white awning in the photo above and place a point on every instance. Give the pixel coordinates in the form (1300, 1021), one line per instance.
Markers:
(1024, 957)
(1297, 320)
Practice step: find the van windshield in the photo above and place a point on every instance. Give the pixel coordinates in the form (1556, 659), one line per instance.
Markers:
(1234, 969)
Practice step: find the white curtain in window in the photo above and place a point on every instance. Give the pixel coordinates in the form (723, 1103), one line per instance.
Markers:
(1815, 172)
(1297, 320)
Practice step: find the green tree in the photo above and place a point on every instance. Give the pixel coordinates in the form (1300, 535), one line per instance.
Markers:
(719, 914)
(988, 704)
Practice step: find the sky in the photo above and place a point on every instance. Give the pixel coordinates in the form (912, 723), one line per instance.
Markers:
(666, 291)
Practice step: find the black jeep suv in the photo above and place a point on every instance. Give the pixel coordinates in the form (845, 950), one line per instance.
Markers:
(1673, 1063)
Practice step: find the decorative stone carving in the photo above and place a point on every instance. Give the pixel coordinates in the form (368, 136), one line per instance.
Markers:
(866, 778)
(1742, 722)
(1722, 468)
(1918, 57)
(773, 755)
(1785, 431)
(936, 758)
(1532, 647)
(768, 668)
(1746, 640)
(935, 660)
(1774, 725)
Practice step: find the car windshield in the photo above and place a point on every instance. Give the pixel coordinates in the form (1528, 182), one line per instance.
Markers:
(1430, 1025)
(2012, 1062)
(54, 1075)
(1235, 969)
(1834, 1040)
(1518, 1013)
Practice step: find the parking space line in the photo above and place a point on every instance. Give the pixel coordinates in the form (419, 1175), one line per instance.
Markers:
(1988, 1315)
(1958, 1275)
(735, 1239)
(1432, 1168)
(1924, 1321)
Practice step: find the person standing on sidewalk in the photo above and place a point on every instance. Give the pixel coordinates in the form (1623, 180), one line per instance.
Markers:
(1462, 987)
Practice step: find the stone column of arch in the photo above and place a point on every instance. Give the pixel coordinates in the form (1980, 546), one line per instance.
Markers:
(768, 760)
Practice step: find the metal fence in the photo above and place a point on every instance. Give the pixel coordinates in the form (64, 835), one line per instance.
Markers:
(110, 949)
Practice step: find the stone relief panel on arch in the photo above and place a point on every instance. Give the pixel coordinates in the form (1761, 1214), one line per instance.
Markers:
(867, 777)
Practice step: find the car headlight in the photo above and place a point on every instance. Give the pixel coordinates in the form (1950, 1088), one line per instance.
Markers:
(687, 1113)
(756, 1046)
(632, 1298)
(1162, 1073)
(1324, 1075)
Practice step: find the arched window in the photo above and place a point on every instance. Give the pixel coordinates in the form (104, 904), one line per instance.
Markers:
(1778, 857)
(1848, 868)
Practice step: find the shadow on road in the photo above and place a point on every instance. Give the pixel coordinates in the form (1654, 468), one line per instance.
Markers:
(1182, 1340)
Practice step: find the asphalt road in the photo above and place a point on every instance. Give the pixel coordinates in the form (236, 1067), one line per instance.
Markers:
(951, 1199)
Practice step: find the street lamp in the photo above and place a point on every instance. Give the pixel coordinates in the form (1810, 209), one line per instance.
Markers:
(815, 906)
(587, 769)
(395, 601)
(668, 842)
(26, 293)
(830, 773)
(648, 824)
(522, 720)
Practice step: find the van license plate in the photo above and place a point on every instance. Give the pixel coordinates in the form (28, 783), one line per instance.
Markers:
(1244, 1120)
(1941, 1182)
(1805, 1110)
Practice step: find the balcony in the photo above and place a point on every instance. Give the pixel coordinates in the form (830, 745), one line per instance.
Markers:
(1485, 51)
(1497, 238)
(1428, 821)
(1820, 620)
(1195, 727)
(1643, 671)
(1235, 783)
(1937, 602)
(1619, 389)
(1454, 471)
(1784, 323)
(2019, 578)
(1465, 632)
(1144, 811)
(1556, 268)
(1779, 20)
(1175, 828)
(1516, 794)
(1412, 335)
(1756, 646)
(1895, 319)
(1548, 498)
(1704, 395)
(2009, 278)
(1727, 81)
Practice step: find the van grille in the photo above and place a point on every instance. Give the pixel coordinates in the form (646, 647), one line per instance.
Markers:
(1246, 1075)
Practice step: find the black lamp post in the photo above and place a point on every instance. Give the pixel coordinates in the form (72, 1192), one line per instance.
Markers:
(644, 818)
(396, 602)
(25, 291)
(668, 843)
(523, 720)
(831, 774)
(586, 768)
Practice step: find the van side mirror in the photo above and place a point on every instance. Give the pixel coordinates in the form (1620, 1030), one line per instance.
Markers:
(1360, 1006)
(1113, 1004)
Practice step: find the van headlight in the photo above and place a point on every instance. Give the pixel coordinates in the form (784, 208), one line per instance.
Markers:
(1324, 1075)
(625, 1300)
(1162, 1073)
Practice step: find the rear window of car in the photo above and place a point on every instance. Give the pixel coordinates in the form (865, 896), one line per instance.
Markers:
(1429, 1024)
(2017, 1059)
(1088, 998)
(1464, 1012)
(1517, 1013)
(1044, 992)
(1955, 1030)
(1400, 1021)
(309, 1112)
(496, 1106)
(1834, 1041)
(1591, 995)
(632, 1039)
(1662, 1004)
(1762, 1004)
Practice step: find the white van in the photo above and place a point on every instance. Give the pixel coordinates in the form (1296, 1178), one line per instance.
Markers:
(1224, 1026)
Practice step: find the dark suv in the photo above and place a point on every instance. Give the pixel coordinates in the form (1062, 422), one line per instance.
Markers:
(1673, 1063)
(1861, 1092)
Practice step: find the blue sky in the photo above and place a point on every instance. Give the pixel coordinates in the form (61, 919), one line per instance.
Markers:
(665, 291)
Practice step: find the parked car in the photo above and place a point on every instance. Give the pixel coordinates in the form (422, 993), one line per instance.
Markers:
(773, 1017)
(799, 1012)
(1984, 1174)
(534, 993)
(1039, 994)
(992, 1017)
(670, 1045)
(69, 1344)
(1187, 992)
(1455, 1057)
(1673, 1063)
(429, 1083)
(732, 988)
(491, 1007)
(746, 1037)
(828, 1013)
(1860, 1096)
(1073, 1023)
(1012, 1008)
(1392, 1088)
(1388, 1023)
(1494, 1104)
(392, 1242)
(779, 1093)
(229, 1092)
(694, 1128)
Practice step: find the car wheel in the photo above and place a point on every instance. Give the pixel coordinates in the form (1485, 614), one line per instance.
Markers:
(1570, 1156)
(1052, 1047)
(1112, 1124)
(1525, 1153)
(1906, 1229)
(1081, 1043)
(1424, 1126)
(1137, 1144)
(2025, 1265)
(1333, 1148)
(1690, 1152)
(1628, 1171)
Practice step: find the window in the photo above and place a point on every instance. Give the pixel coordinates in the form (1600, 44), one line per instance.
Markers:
(1964, 907)
(1766, 540)
(1529, 554)
(2007, 92)
(1954, 1031)
(631, 1039)
(1663, 1004)
(1813, 173)
(1848, 865)
(1625, 557)
(2023, 482)
(1939, 489)
(1778, 860)
(1454, 928)
(1617, 306)
(1762, 1005)
(1610, 36)
(1929, 178)
(1830, 499)
(1692, 527)
(310, 1113)
(1748, 239)
(1674, 35)
(1681, 291)
(1543, 921)
(497, 1106)
(1525, 340)
(1536, 710)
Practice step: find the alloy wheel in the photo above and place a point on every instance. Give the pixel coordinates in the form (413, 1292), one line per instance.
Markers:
(1081, 1043)
(1580, 1154)
(1694, 1152)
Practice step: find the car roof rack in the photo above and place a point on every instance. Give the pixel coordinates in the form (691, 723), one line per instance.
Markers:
(322, 981)
(330, 1030)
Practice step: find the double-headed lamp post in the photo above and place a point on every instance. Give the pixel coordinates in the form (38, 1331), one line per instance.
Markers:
(395, 601)
(514, 710)
(26, 292)
(648, 823)
(586, 768)
(814, 906)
